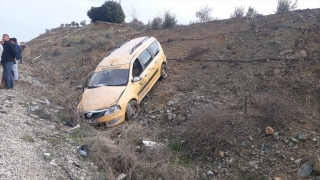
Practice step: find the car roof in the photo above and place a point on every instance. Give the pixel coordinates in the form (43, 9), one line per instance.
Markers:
(124, 53)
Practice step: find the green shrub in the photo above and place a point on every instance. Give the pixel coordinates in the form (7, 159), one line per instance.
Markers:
(286, 6)
(110, 11)
(169, 20)
(156, 23)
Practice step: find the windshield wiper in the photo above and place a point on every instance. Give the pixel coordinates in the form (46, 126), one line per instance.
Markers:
(95, 86)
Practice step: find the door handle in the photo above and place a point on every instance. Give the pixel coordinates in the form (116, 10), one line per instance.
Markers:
(145, 75)
(156, 62)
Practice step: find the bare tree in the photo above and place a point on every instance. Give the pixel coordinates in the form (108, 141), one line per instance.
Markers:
(286, 6)
(251, 13)
(238, 12)
(204, 14)
(134, 13)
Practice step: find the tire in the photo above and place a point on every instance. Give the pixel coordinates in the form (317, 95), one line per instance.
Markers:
(164, 73)
(132, 111)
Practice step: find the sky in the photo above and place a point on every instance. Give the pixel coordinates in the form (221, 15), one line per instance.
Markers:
(27, 19)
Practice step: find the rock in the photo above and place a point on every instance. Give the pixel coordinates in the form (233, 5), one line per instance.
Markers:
(287, 46)
(52, 127)
(34, 108)
(294, 140)
(34, 116)
(171, 116)
(254, 163)
(221, 154)
(153, 117)
(305, 171)
(250, 138)
(121, 176)
(170, 103)
(210, 173)
(316, 164)
(269, 131)
(53, 163)
(286, 52)
(297, 161)
(301, 54)
(290, 144)
(42, 102)
(314, 140)
(301, 137)
(47, 154)
(276, 178)
(34, 103)
(59, 107)
(80, 87)
(4, 111)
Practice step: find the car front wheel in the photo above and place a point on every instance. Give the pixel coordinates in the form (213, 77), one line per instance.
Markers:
(132, 110)
(164, 73)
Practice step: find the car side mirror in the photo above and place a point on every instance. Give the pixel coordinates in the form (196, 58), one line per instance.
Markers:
(136, 79)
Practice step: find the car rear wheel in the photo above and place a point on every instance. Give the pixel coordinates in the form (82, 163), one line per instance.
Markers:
(132, 110)
(164, 73)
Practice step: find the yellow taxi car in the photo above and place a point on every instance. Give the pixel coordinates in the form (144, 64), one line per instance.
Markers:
(122, 80)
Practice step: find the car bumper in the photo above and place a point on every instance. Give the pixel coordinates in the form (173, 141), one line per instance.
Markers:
(113, 119)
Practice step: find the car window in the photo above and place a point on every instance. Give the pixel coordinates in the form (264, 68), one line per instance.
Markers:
(136, 68)
(111, 77)
(145, 57)
(154, 47)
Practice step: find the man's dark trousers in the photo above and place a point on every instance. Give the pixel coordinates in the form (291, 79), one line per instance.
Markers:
(7, 73)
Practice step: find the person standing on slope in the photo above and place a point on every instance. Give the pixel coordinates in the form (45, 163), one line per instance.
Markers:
(17, 58)
(7, 60)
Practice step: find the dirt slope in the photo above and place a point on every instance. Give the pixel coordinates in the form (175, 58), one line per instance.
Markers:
(262, 76)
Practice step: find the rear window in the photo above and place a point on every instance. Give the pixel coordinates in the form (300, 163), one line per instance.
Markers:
(145, 57)
(154, 47)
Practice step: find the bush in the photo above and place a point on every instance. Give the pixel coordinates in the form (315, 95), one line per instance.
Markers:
(109, 33)
(208, 131)
(238, 12)
(251, 13)
(83, 23)
(196, 50)
(110, 11)
(204, 14)
(156, 23)
(148, 25)
(286, 6)
(277, 109)
(169, 20)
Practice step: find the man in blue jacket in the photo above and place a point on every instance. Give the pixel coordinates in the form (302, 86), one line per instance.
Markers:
(7, 60)
(17, 58)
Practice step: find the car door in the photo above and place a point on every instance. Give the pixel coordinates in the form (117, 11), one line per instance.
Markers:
(157, 58)
(148, 73)
(137, 70)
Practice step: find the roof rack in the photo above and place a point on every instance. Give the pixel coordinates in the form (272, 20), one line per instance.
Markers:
(136, 46)
(117, 47)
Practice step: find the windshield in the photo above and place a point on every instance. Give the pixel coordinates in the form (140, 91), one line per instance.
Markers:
(111, 77)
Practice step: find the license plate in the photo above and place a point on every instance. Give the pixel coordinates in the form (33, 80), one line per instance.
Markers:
(92, 121)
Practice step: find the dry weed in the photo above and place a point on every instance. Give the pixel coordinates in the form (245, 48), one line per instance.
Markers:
(208, 130)
(197, 49)
(277, 109)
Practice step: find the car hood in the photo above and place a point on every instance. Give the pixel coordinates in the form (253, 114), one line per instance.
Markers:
(100, 98)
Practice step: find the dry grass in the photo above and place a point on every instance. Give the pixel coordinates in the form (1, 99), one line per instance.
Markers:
(209, 130)
(277, 109)
(197, 49)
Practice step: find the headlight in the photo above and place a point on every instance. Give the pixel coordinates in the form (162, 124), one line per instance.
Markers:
(112, 110)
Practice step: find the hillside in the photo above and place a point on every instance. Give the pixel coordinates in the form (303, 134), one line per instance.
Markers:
(227, 83)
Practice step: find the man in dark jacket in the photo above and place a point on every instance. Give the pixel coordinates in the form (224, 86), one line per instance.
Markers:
(7, 60)
(17, 59)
